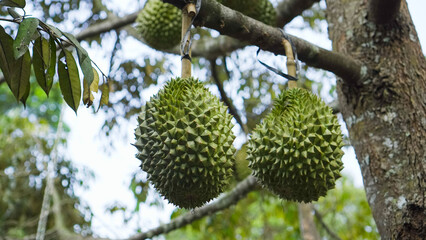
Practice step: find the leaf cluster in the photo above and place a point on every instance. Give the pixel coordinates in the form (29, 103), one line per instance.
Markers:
(16, 61)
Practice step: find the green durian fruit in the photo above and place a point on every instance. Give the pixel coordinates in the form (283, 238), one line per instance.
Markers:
(184, 141)
(261, 10)
(241, 164)
(160, 24)
(296, 150)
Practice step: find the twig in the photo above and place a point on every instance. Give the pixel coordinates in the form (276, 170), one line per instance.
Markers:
(289, 9)
(225, 67)
(238, 193)
(232, 110)
(112, 23)
(318, 216)
(307, 225)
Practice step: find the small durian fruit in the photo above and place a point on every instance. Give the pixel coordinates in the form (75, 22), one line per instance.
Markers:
(160, 24)
(184, 141)
(261, 10)
(296, 151)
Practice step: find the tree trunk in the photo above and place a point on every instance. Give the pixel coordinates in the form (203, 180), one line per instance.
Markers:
(385, 113)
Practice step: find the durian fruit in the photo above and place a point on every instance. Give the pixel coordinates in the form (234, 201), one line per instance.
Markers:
(261, 10)
(241, 164)
(184, 141)
(296, 151)
(160, 24)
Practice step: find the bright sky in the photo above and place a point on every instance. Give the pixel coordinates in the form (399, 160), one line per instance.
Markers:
(113, 172)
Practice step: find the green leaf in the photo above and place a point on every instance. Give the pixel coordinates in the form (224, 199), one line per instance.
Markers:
(26, 94)
(13, 3)
(69, 80)
(53, 31)
(13, 13)
(6, 54)
(83, 58)
(26, 31)
(52, 64)
(39, 64)
(20, 77)
(44, 61)
(16, 72)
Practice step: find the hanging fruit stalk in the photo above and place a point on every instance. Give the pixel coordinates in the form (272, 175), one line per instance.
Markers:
(188, 12)
(291, 64)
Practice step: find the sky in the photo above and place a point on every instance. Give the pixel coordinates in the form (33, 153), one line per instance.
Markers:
(113, 171)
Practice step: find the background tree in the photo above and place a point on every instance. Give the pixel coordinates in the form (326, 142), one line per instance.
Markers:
(28, 142)
(380, 69)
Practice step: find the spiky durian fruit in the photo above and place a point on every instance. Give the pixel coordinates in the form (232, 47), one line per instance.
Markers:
(185, 140)
(261, 10)
(296, 151)
(241, 164)
(160, 24)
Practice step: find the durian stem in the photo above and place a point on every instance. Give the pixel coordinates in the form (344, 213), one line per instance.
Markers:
(291, 64)
(188, 12)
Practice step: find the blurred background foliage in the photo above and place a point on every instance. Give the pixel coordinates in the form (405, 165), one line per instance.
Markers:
(27, 135)
(27, 138)
(261, 215)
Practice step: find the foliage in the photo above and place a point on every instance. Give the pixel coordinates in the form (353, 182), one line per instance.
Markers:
(15, 60)
(259, 216)
(25, 149)
(264, 216)
(346, 211)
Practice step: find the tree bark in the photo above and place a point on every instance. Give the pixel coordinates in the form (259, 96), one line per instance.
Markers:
(385, 114)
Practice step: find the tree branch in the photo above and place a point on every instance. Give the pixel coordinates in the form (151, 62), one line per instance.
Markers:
(287, 10)
(307, 225)
(318, 216)
(232, 110)
(238, 193)
(383, 11)
(111, 23)
(232, 23)
(208, 48)
(248, 31)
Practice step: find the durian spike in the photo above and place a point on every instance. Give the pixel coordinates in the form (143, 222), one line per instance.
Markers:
(188, 12)
(291, 64)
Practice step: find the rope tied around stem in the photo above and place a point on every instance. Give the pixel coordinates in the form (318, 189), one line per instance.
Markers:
(186, 43)
(291, 59)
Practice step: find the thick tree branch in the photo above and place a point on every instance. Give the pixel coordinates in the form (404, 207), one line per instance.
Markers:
(383, 11)
(289, 9)
(232, 110)
(238, 193)
(248, 31)
(232, 23)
